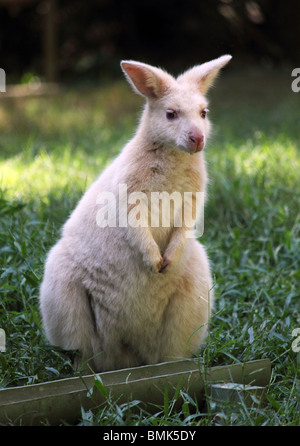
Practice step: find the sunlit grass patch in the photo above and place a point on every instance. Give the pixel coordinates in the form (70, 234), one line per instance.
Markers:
(23, 176)
(50, 142)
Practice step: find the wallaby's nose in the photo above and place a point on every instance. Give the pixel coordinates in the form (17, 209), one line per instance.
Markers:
(195, 140)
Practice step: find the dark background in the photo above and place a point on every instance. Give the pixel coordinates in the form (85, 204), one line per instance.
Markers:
(88, 39)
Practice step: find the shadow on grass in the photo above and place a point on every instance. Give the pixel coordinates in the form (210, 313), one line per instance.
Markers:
(89, 119)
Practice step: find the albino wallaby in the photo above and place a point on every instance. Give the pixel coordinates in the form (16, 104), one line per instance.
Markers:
(122, 294)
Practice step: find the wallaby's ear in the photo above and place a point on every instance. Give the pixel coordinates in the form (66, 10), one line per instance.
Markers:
(146, 80)
(204, 75)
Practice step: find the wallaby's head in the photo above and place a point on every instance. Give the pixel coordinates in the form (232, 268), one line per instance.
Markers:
(176, 109)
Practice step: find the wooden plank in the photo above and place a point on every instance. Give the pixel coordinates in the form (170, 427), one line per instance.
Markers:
(60, 400)
(229, 394)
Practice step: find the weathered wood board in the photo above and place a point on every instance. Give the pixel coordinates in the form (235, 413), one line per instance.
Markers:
(61, 400)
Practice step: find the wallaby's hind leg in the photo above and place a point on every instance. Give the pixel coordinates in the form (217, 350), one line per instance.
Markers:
(189, 308)
(67, 316)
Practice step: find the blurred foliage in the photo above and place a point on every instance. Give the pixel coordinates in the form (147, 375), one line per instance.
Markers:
(93, 36)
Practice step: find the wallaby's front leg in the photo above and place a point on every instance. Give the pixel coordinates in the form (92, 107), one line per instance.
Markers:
(180, 233)
(174, 248)
(151, 252)
(140, 237)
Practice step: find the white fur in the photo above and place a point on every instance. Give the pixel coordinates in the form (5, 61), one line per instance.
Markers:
(130, 296)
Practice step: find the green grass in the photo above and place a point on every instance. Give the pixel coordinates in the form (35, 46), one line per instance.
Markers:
(51, 149)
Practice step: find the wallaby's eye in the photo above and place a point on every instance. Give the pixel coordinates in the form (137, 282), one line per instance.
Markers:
(204, 112)
(171, 114)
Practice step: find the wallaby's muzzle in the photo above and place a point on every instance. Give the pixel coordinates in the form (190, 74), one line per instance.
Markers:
(195, 141)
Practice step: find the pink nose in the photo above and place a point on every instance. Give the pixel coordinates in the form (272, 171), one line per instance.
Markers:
(195, 140)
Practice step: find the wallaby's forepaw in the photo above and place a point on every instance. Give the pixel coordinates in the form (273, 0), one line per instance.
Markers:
(158, 266)
(154, 264)
(165, 264)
